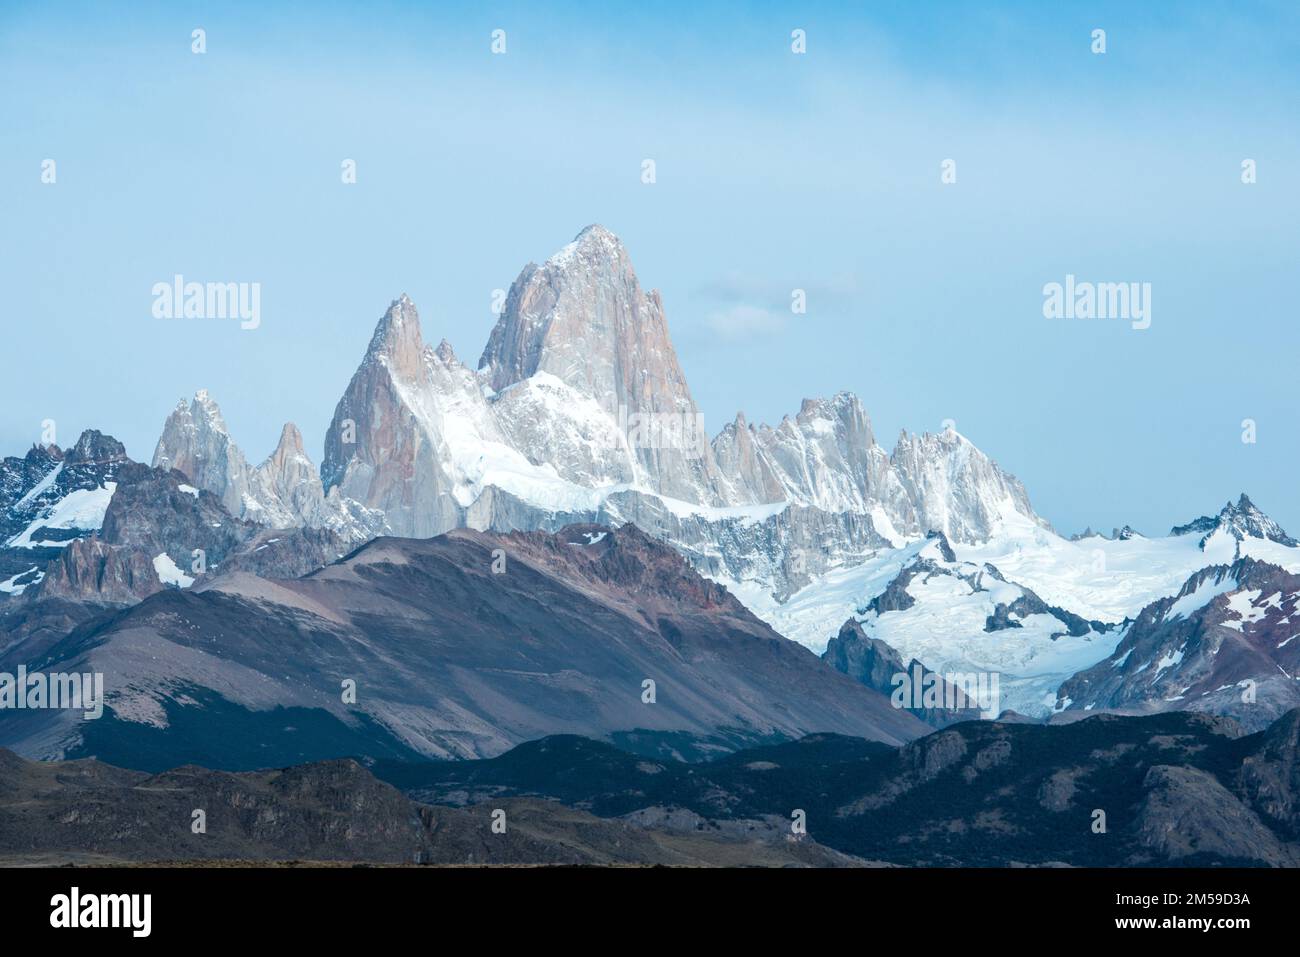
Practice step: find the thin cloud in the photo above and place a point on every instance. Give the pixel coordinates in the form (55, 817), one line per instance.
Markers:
(742, 321)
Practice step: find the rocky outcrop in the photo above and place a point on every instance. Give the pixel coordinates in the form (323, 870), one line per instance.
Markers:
(90, 525)
(196, 442)
(1186, 812)
(877, 665)
(1269, 777)
(745, 464)
(51, 498)
(158, 514)
(412, 436)
(18, 476)
(1224, 644)
(289, 484)
(285, 491)
(826, 457)
(91, 570)
(95, 449)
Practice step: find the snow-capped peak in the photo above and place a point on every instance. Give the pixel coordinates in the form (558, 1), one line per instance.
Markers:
(1241, 520)
(594, 242)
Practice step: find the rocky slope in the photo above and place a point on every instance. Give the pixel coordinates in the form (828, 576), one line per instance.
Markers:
(90, 531)
(413, 437)
(50, 498)
(448, 657)
(1226, 643)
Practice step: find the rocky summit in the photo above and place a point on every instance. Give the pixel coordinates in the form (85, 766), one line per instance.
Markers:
(579, 411)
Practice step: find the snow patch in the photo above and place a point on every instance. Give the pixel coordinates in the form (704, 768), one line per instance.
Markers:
(168, 573)
(39, 488)
(1242, 604)
(10, 586)
(1199, 597)
(82, 509)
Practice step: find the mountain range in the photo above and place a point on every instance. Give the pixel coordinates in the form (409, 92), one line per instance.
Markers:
(574, 453)
(447, 658)
(579, 411)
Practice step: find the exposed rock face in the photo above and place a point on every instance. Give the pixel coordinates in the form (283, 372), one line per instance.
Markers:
(157, 531)
(955, 488)
(18, 476)
(1270, 775)
(155, 510)
(877, 665)
(288, 480)
(1225, 644)
(95, 449)
(158, 514)
(89, 525)
(90, 570)
(32, 486)
(744, 463)
(412, 436)
(283, 492)
(826, 457)
(1186, 811)
(196, 442)
(583, 318)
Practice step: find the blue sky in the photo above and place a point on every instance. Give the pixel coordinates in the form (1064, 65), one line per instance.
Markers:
(774, 172)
